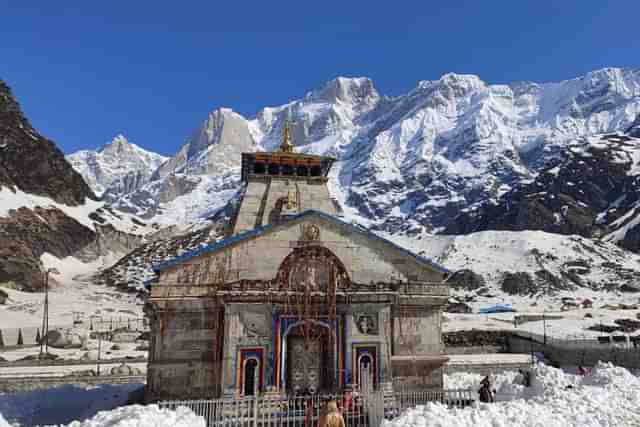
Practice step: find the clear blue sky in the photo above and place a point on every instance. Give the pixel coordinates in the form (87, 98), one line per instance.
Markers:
(86, 70)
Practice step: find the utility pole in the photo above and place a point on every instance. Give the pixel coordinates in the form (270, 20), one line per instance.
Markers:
(45, 313)
(544, 325)
(99, 348)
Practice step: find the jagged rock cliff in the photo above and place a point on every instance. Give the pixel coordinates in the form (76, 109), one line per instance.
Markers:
(33, 163)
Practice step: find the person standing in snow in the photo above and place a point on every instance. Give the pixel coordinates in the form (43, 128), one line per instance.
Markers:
(485, 392)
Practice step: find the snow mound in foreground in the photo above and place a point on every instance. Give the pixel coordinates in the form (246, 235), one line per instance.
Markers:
(143, 416)
(3, 422)
(607, 396)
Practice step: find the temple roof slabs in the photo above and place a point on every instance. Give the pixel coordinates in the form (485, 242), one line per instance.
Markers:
(256, 232)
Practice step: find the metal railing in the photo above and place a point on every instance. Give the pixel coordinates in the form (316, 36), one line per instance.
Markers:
(358, 410)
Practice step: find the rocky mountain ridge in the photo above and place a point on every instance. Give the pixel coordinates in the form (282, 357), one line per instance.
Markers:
(47, 208)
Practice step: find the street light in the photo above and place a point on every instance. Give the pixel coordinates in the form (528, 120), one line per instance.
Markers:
(45, 313)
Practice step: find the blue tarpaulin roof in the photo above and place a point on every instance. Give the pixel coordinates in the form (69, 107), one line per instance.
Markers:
(498, 308)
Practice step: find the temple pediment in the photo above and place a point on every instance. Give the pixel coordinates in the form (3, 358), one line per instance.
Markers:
(258, 254)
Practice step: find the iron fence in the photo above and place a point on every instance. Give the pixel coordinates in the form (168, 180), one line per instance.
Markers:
(358, 410)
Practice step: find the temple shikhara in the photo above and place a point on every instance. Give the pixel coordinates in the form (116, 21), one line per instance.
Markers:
(294, 300)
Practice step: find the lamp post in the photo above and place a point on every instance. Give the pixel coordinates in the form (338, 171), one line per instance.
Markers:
(45, 312)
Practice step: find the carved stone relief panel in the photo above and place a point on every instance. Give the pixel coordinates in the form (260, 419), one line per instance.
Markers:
(255, 324)
(366, 323)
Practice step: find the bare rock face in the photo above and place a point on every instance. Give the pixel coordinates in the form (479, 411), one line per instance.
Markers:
(592, 191)
(27, 234)
(33, 163)
(466, 279)
(518, 284)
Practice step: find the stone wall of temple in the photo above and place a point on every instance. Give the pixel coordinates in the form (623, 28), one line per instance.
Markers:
(248, 330)
(417, 331)
(184, 360)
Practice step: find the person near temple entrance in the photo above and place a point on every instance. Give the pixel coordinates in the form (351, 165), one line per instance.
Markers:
(332, 417)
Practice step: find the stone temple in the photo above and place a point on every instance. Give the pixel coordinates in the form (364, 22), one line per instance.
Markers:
(295, 300)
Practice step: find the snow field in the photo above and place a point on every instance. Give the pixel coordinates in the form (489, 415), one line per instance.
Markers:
(64, 404)
(143, 416)
(608, 396)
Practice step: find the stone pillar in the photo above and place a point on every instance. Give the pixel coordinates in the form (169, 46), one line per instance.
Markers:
(232, 332)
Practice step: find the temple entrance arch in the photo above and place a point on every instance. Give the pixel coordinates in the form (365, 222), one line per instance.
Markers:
(311, 275)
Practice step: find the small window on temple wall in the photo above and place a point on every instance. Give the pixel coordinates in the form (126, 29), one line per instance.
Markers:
(274, 169)
(302, 171)
(316, 171)
(287, 170)
(259, 168)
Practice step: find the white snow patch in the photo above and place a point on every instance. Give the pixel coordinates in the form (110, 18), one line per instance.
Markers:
(607, 396)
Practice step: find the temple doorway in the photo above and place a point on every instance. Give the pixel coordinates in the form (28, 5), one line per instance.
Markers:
(309, 361)
(250, 377)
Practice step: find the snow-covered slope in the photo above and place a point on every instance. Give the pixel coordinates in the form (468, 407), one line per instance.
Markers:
(533, 262)
(120, 164)
(408, 163)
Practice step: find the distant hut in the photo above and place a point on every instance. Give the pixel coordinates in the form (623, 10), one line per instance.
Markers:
(587, 303)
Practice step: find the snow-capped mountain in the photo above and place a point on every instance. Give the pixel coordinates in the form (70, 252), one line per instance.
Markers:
(592, 191)
(116, 168)
(408, 163)
(200, 178)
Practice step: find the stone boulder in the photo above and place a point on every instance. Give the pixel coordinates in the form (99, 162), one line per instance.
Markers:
(3, 297)
(466, 279)
(458, 307)
(63, 339)
(125, 369)
(518, 283)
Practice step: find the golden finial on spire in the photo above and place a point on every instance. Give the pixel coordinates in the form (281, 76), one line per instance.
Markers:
(287, 146)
